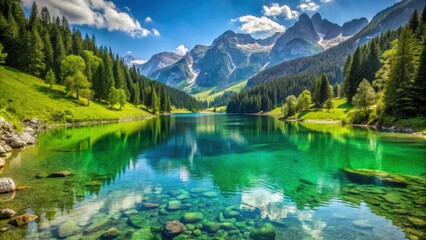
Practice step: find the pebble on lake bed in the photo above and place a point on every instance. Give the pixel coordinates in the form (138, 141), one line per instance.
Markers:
(172, 229)
(7, 185)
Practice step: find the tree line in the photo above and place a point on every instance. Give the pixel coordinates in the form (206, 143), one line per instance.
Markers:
(390, 74)
(47, 47)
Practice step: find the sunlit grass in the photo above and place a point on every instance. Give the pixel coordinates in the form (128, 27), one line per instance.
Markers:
(23, 96)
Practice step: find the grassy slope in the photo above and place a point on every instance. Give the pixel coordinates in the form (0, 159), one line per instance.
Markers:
(340, 110)
(210, 94)
(24, 96)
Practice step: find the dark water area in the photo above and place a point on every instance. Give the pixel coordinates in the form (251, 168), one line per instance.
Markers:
(224, 177)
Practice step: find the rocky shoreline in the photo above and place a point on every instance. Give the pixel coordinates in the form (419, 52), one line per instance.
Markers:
(10, 138)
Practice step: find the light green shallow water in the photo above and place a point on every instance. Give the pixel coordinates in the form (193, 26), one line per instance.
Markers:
(247, 171)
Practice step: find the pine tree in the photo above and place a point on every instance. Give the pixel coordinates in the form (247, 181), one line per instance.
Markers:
(399, 95)
(420, 80)
(155, 102)
(355, 75)
(59, 54)
(414, 23)
(36, 56)
(49, 55)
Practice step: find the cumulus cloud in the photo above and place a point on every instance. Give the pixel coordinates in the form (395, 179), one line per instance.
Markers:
(276, 10)
(95, 13)
(308, 5)
(155, 32)
(148, 19)
(261, 26)
(181, 50)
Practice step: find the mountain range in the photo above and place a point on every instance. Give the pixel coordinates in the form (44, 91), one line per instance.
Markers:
(234, 57)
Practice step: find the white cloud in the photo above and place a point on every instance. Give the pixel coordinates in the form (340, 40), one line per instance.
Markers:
(148, 19)
(308, 5)
(276, 10)
(325, 1)
(155, 32)
(181, 50)
(95, 13)
(262, 26)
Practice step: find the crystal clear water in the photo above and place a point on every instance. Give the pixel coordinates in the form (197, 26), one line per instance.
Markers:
(248, 176)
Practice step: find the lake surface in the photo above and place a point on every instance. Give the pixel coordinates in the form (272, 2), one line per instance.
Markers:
(246, 175)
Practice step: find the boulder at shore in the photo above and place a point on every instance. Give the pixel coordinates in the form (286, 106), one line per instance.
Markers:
(7, 185)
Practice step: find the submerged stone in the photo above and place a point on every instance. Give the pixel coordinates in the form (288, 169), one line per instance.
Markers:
(150, 205)
(68, 229)
(110, 234)
(7, 213)
(267, 231)
(227, 226)
(182, 196)
(60, 174)
(417, 222)
(22, 219)
(211, 227)
(142, 234)
(174, 205)
(392, 198)
(209, 194)
(138, 221)
(192, 217)
(362, 224)
(173, 229)
(380, 178)
(197, 232)
(198, 190)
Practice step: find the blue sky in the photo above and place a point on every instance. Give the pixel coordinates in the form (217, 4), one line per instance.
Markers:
(124, 24)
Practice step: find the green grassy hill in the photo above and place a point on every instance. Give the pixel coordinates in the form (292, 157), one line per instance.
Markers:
(340, 110)
(24, 96)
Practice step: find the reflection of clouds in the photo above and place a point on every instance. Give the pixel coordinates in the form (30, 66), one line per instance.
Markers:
(184, 174)
(124, 201)
(270, 204)
(273, 205)
(309, 225)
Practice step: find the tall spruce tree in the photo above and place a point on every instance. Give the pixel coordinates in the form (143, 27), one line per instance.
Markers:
(399, 95)
(36, 57)
(355, 75)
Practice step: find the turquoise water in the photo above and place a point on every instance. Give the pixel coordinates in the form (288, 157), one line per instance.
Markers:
(244, 174)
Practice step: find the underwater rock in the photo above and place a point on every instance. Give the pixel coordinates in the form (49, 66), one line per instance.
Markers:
(420, 201)
(192, 217)
(174, 205)
(198, 190)
(267, 231)
(211, 227)
(375, 177)
(209, 194)
(60, 174)
(190, 227)
(22, 219)
(150, 205)
(99, 224)
(138, 221)
(67, 229)
(173, 229)
(417, 222)
(391, 198)
(110, 234)
(142, 234)
(7, 185)
(7, 213)
(362, 224)
(231, 212)
(182, 196)
(197, 232)
(2, 162)
(42, 175)
(227, 226)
